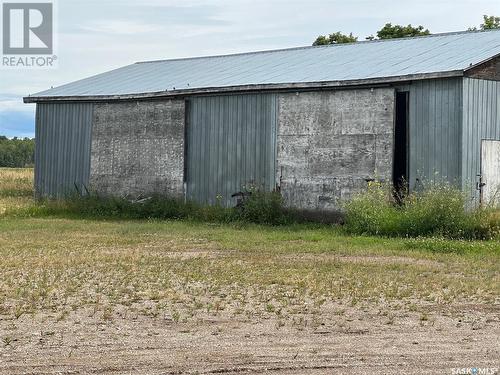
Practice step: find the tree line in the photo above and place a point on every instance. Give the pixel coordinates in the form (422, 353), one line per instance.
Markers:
(390, 31)
(17, 152)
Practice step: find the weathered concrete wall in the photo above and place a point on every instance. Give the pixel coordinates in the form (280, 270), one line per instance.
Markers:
(329, 143)
(138, 148)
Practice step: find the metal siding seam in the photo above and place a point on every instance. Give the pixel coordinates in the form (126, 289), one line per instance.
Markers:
(211, 148)
(89, 144)
(470, 119)
(191, 145)
(227, 154)
(238, 138)
(250, 158)
(57, 136)
(50, 144)
(274, 135)
(214, 148)
(48, 151)
(197, 163)
(221, 135)
(450, 128)
(38, 147)
(466, 137)
(474, 129)
(446, 144)
(431, 128)
(72, 128)
(244, 140)
(459, 120)
(204, 124)
(53, 148)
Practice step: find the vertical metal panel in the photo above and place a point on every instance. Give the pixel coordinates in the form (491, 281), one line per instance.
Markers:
(62, 155)
(435, 129)
(481, 119)
(231, 143)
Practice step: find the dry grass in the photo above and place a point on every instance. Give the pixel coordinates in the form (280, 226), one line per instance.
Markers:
(188, 269)
(16, 182)
(16, 188)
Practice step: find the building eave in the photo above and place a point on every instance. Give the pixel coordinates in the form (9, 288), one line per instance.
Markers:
(245, 88)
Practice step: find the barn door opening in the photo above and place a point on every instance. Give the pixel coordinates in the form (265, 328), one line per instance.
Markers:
(490, 172)
(400, 163)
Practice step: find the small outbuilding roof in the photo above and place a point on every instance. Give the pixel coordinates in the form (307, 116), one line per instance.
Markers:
(367, 62)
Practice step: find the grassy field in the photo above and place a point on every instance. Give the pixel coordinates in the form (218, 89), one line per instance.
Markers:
(16, 188)
(296, 279)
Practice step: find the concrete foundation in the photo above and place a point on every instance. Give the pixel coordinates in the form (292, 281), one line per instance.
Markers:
(138, 148)
(331, 143)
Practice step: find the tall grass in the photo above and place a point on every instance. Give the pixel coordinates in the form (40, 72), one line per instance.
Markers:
(438, 211)
(16, 182)
(261, 208)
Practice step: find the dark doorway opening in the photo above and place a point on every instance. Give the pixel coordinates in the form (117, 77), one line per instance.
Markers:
(400, 163)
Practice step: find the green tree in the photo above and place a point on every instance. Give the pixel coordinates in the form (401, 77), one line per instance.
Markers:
(490, 22)
(335, 38)
(17, 153)
(390, 31)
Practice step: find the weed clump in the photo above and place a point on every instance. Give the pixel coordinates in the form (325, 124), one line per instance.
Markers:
(437, 211)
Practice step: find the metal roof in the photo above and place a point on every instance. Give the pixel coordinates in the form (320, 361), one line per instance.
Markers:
(382, 60)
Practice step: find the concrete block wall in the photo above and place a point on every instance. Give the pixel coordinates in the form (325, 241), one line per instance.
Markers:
(137, 148)
(330, 142)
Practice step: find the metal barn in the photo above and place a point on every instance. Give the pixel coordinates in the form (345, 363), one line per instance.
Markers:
(315, 123)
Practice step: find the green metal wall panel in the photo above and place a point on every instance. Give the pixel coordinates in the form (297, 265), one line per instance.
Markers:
(481, 119)
(435, 131)
(62, 153)
(231, 143)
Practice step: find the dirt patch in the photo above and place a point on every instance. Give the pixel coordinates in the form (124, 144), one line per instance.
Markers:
(339, 339)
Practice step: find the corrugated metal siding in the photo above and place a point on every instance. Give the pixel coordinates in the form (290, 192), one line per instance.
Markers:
(435, 123)
(62, 156)
(363, 60)
(481, 119)
(231, 143)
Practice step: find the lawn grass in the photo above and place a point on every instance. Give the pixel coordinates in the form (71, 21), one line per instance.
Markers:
(187, 269)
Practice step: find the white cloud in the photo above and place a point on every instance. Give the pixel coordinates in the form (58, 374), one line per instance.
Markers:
(120, 27)
(14, 105)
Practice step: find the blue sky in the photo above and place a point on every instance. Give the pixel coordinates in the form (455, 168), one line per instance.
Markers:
(95, 36)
